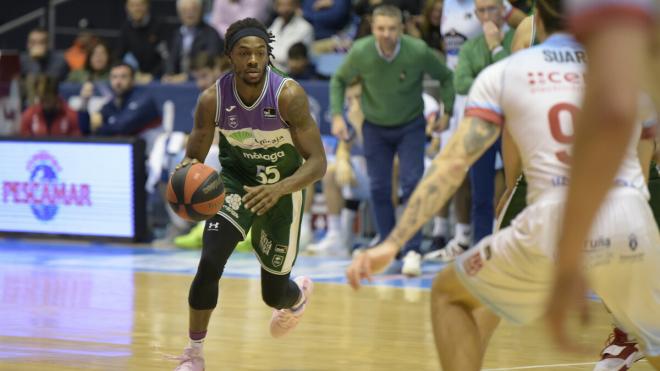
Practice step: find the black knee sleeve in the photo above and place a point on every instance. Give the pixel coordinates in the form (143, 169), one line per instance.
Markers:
(278, 292)
(220, 239)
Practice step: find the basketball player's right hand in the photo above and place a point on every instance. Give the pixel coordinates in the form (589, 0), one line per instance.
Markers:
(372, 261)
(186, 161)
(339, 128)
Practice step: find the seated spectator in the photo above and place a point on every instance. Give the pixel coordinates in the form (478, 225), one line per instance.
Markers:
(49, 115)
(226, 12)
(76, 55)
(130, 112)
(299, 65)
(142, 40)
(97, 65)
(207, 69)
(345, 183)
(40, 60)
(289, 28)
(328, 17)
(430, 25)
(193, 37)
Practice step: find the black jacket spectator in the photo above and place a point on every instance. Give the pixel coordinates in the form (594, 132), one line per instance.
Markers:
(206, 39)
(136, 113)
(52, 64)
(146, 42)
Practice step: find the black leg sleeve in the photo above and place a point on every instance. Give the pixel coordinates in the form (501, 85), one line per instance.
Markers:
(278, 291)
(220, 239)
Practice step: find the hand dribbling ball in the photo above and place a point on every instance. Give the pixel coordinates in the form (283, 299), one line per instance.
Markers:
(195, 192)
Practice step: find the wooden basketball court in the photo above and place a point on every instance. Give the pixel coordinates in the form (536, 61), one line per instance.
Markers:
(79, 307)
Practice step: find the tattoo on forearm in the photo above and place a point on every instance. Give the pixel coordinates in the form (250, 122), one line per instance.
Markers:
(479, 134)
(425, 202)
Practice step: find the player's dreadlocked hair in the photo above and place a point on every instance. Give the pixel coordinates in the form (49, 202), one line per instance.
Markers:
(552, 15)
(232, 35)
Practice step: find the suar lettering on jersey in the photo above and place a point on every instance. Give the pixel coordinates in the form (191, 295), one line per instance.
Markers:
(565, 56)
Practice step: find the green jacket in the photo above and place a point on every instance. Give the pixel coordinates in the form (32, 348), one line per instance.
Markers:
(391, 91)
(474, 57)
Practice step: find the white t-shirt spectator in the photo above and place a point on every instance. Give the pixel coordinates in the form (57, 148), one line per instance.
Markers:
(297, 30)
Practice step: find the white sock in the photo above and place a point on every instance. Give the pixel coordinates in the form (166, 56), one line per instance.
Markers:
(462, 233)
(197, 344)
(334, 223)
(440, 226)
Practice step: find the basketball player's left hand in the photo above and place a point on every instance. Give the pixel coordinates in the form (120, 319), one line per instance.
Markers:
(568, 294)
(261, 198)
(372, 261)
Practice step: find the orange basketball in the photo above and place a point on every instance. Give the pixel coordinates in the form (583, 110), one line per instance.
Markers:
(195, 192)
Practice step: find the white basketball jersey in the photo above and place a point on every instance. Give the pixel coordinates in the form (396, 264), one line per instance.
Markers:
(460, 24)
(536, 93)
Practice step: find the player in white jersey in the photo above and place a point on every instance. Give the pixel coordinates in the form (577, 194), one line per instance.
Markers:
(509, 274)
(616, 35)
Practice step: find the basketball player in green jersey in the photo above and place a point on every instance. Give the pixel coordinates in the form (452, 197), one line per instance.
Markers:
(270, 150)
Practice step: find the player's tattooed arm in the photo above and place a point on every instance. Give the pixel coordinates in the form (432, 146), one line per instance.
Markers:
(294, 108)
(201, 136)
(472, 138)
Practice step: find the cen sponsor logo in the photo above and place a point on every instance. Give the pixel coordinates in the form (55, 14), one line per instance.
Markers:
(43, 191)
(272, 157)
(548, 78)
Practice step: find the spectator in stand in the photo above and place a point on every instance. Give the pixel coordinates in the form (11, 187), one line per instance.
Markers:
(299, 65)
(76, 55)
(289, 28)
(49, 115)
(206, 69)
(328, 17)
(142, 40)
(97, 65)
(429, 28)
(345, 184)
(193, 37)
(226, 12)
(131, 112)
(40, 60)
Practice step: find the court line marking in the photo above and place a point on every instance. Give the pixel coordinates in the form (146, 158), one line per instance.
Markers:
(547, 366)
(539, 366)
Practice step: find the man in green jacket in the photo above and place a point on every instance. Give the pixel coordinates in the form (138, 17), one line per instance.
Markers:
(391, 67)
(475, 55)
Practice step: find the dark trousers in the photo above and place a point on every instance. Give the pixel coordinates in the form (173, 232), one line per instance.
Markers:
(380, 146)
(482, 180)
